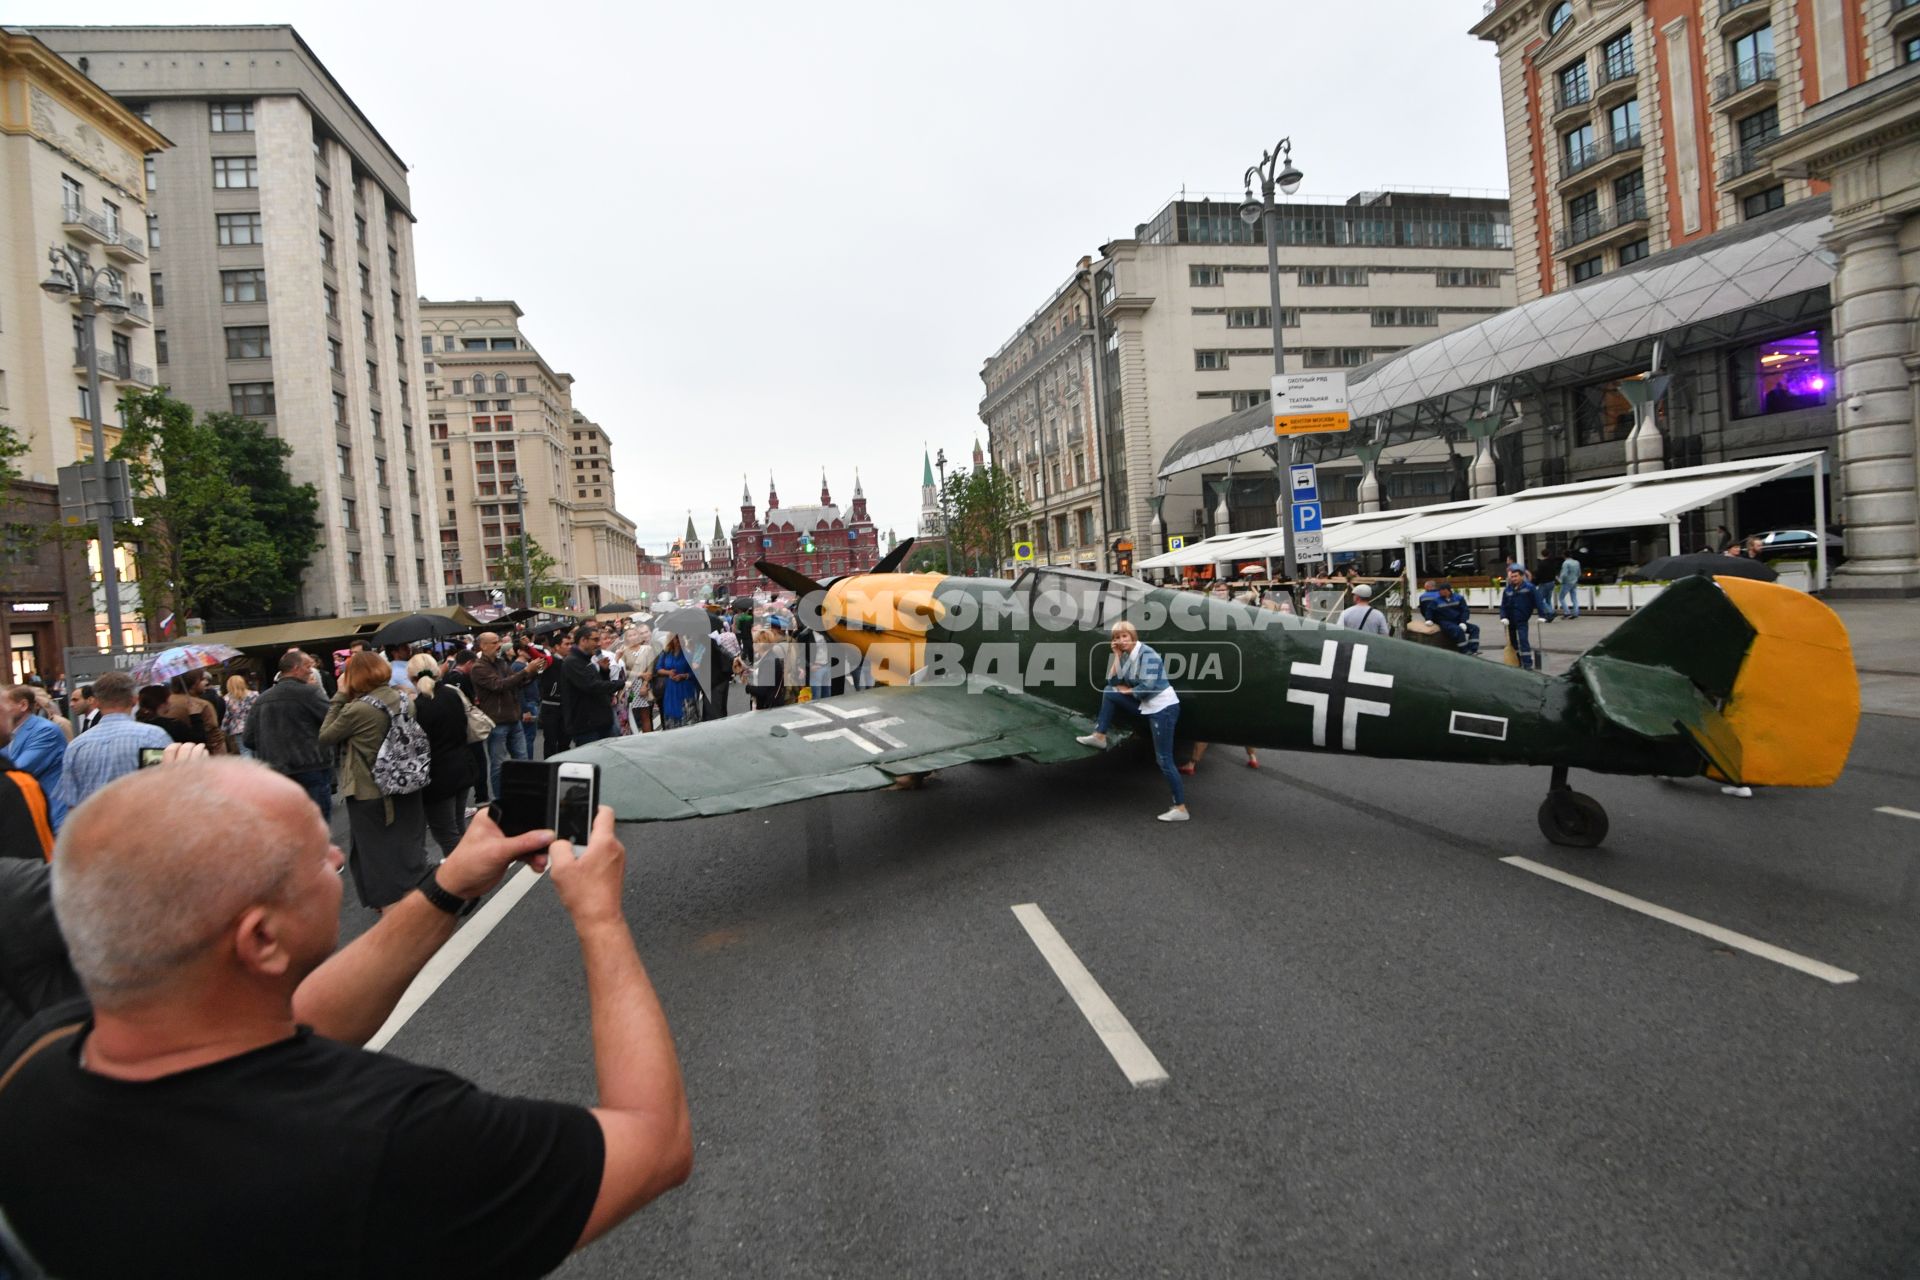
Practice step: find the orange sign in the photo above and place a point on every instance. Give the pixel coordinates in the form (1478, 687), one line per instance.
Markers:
(1302, 424)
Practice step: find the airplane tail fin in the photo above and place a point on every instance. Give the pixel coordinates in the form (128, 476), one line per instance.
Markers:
(1758, 677)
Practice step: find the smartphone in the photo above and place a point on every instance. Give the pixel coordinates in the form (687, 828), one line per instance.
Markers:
(151, 756)
(525, 802)
(576, 798)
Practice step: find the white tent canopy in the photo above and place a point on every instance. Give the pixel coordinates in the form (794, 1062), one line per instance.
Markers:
(1616, 502)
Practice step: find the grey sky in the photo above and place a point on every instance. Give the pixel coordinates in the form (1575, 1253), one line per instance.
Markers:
(777, 237)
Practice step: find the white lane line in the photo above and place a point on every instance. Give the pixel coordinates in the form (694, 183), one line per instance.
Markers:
(1740, 941)
(448, 958)
(1123, 1042)
(1898, 813)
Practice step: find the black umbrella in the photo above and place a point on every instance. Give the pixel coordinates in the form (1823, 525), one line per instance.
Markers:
(1702, 564)
(415, 628)
(547, 628)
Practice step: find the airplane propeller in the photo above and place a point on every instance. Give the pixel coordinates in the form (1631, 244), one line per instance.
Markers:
(800, 584)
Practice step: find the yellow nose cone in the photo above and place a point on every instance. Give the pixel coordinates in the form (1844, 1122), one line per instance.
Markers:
(886, 617)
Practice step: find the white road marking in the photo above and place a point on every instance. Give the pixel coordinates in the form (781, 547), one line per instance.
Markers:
(1740, 941)
(448, 958)
(1129, 1051)
(1898, 813)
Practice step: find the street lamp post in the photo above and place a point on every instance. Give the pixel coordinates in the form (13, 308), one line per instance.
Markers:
(1275, 170)
(74, 276)
(946, 528)
(526, 552)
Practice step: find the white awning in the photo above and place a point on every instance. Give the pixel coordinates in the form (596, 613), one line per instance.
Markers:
(1221, 546)
(1662, 496)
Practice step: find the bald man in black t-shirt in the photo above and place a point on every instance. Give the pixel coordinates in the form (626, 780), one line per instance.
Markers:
(215, 1116)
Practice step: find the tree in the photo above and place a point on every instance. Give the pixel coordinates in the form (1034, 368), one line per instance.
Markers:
(506, 570)
(929, 557)
(981, 507)
(222, 532)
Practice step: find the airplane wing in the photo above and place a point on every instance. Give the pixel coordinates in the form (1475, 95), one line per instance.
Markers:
(857, 742)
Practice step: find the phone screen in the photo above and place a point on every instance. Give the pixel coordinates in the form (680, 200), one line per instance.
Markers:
(151, 756)
(522, 801)
(573, 807)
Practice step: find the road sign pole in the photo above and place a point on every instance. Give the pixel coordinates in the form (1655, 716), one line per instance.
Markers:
(1283, 458)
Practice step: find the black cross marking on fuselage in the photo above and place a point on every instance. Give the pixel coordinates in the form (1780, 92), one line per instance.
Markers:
(1327, 687)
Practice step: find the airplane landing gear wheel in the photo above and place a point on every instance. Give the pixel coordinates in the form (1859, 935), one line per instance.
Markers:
(1572, 819)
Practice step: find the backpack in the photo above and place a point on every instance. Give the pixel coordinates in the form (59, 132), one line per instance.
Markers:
(401, 767)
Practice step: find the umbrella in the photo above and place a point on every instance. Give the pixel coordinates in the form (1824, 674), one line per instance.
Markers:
(1702, 564)
(179, 660)
(416, 627)
(620, 607)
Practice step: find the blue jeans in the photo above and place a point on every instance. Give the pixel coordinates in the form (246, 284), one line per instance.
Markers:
(1571, 595)
(318, 784)
(504, 740)
(1160, 723)
(527, 729)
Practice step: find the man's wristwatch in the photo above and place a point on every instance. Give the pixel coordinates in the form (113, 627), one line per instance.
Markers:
(439, 897)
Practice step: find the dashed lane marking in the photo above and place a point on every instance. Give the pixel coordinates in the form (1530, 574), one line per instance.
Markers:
(1129, 1051)
(1892, 812)
(1727, 937)
(448, 958)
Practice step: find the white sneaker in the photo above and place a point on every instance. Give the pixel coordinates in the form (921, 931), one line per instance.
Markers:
(1745, 793)
(1175, 814)
(1093, 740)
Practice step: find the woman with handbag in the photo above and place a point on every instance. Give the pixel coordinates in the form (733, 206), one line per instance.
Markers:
(446, 715)
(388, 853)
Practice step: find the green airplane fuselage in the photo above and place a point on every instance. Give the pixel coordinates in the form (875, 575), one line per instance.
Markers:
(1253, 677)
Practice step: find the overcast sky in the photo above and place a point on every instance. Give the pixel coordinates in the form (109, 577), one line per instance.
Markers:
(781, 237)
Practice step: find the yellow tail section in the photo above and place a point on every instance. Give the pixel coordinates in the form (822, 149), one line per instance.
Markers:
(1796, 701)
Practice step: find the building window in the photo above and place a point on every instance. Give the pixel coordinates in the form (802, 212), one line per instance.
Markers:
(459, 386)
(1202, 277)
(366, 325)
(335, 361)
(1779, 376)
(249, 342)
(1634, 251)
(251, 399)
(1241, 400)
(353, 566)
(1758, 129)
(160, 345)
(1250, 318)
(1601, 414)
(373, 376)
(246, 285)
(153, 231)
(520, 385)
(1579, 148)
(322, 193)
(386, 523)
(238, 228)
(1201, 360)
(326, 249)
(499, 384)
(366, 280)
(1753, 58)
(1405, 317)
(505, 344)
(1588, 268)
(1910, 50)
(1466, 278)
(153, 179)
(374, 416)
(1616, 55)
(1562, 14)
(1583, 217)
(333, 301)
(1575, 87)
(1333, 357)
(1623, 124)
(1763, 201)
(1629, 198)
(339, 409)
(230, 117)
(343, 455)
(359, 230)
(236, 171)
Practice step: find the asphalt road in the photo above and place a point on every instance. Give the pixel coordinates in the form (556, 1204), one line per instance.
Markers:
(1389, 1052)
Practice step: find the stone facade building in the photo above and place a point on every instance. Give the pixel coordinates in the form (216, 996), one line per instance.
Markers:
(281, 235)
(74, 166)
(603, 544)
(819, 540)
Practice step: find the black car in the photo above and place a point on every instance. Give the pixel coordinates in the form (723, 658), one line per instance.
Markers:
(1799, 544)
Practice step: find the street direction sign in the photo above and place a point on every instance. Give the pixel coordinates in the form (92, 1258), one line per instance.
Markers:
(1306, 518)
(1176, 541)
(1307, 403)
(1309, 545)
(1303, 482)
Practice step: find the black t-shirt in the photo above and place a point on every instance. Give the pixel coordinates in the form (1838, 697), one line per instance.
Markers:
(302, 1158)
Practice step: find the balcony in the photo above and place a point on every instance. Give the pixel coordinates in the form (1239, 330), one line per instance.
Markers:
(1904, 19)
(125, 246)
(1598, 228)
(1602, 155)
(1568, 99)
(85, 224)
(1619, 78)
(1744, 168)
(125, 371)
(137, 313)
(1737, 16)
(1750, 82)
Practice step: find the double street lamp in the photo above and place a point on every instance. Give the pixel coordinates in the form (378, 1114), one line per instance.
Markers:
(1275, 170)
(526, 552)
(96, 289)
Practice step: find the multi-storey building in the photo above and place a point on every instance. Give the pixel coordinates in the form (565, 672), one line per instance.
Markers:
(1185, 337)
(281, 243)
(1634, 126)
(73, 166)
(603, 545)
(500, 421)
(819, 540)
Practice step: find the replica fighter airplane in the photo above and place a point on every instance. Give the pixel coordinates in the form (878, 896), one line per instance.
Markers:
(1745, 682)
